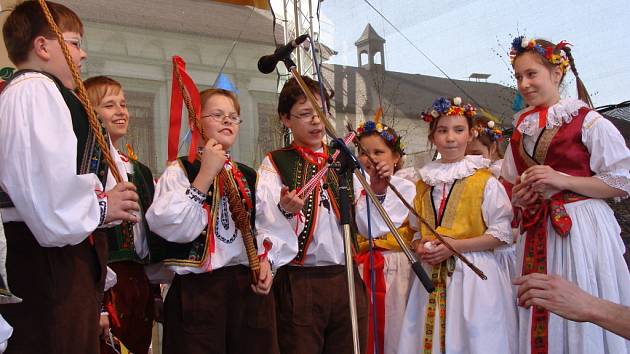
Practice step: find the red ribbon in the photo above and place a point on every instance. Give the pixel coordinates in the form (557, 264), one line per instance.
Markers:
(315, 158)
(177, 100)
(238, 177)
(379, 266)
(535, 223)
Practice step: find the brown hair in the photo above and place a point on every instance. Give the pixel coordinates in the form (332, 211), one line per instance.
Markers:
(480, 124)
(98, 87)
(581, 88)
(292, 93)
(27, 22)
(206, 94)
(434, 123)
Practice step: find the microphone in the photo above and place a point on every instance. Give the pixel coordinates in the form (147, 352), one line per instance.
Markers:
(267, 63)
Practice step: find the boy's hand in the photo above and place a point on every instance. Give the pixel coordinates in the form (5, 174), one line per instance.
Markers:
(213, 158)
(289, 201)
(265, 279)
(122, 203)
(103, 323)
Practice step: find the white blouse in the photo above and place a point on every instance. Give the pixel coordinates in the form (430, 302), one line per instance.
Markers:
(496, 208)
(177, 218)
(38, 154)
(610, 157)
(326, 247)
(395, 208)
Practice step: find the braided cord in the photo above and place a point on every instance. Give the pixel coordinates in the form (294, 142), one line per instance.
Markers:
(95, 126)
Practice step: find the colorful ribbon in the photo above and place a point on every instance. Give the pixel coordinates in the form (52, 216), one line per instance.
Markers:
(177, 100)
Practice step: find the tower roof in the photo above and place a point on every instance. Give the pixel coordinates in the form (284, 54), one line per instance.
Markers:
(369, 34)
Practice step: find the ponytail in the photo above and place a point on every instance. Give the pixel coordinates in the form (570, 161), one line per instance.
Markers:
(581, 89)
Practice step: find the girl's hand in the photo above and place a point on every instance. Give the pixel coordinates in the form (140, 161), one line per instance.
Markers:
(418, 247)
(265, 279)
(379, 176)
(437, 252)
(289, 201)
(523, 195)
(546, 180)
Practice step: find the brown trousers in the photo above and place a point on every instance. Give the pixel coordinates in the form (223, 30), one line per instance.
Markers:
(132, 299)
(62, 289)
(313, 310)
(218, 312)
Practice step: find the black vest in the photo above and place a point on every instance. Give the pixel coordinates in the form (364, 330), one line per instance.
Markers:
(191, 254)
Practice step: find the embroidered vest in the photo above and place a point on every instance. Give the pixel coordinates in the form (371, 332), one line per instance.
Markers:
(462, 217)
(194, 254)
(294, 172)
(120, 242)
(560, 147)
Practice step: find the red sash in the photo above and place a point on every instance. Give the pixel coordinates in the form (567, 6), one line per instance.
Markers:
(380, 288)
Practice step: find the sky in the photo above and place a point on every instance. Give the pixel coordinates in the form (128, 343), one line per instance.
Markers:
(466, 36)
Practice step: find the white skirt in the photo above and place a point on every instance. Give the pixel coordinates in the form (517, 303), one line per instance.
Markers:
(480, 314)
(591, 256)
(398, 273)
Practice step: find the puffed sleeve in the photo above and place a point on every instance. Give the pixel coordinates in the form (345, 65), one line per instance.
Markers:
(173, 214)
(496, 210)
(271, 225)
(610, 157)
(395, 208)
(38, 158)
(508, 168)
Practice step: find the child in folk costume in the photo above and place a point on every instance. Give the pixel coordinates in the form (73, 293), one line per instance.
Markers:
(485, 142)
(391, 267)
(563, 159)
(211, 306)
(54, 175)
(130, 303)
(463, 201)
(305, 235)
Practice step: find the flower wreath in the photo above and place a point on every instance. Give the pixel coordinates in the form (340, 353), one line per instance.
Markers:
(370, 126)
(521, 44)
(449, 107)
(490, 130)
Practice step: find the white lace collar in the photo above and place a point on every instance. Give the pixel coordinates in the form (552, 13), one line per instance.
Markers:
(558, 114)
(436, 172)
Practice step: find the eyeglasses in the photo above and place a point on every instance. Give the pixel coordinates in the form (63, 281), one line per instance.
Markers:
(220, 117)
(305, 115)
(75, 42)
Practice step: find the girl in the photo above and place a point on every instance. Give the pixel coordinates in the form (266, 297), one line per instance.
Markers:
(564, 158)
(392, 269)
(458, 196)
(210, 307)
(485, 142)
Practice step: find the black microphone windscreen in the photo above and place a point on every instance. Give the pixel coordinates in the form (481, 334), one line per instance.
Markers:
(267, 63)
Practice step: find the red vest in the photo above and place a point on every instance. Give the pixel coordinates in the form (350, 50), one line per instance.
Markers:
(565, 153)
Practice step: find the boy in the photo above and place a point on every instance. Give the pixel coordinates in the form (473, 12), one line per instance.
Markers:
(56, 256)
(311, 292)
(130, 303)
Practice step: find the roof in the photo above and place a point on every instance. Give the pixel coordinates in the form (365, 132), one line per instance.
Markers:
(206, 18)
(369, 34)
(410, 93)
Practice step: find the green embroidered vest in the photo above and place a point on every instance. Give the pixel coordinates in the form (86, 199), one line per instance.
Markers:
(295, 171)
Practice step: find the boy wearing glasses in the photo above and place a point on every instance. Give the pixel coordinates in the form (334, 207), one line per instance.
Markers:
(211, 306)
(311, 291)
(52, 201)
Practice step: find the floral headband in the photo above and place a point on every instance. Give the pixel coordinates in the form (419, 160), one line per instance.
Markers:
(521, 45)
(382, 130)
(495, 134)
(448, 107)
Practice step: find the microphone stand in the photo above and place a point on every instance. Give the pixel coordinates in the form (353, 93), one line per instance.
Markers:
(415, 264)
